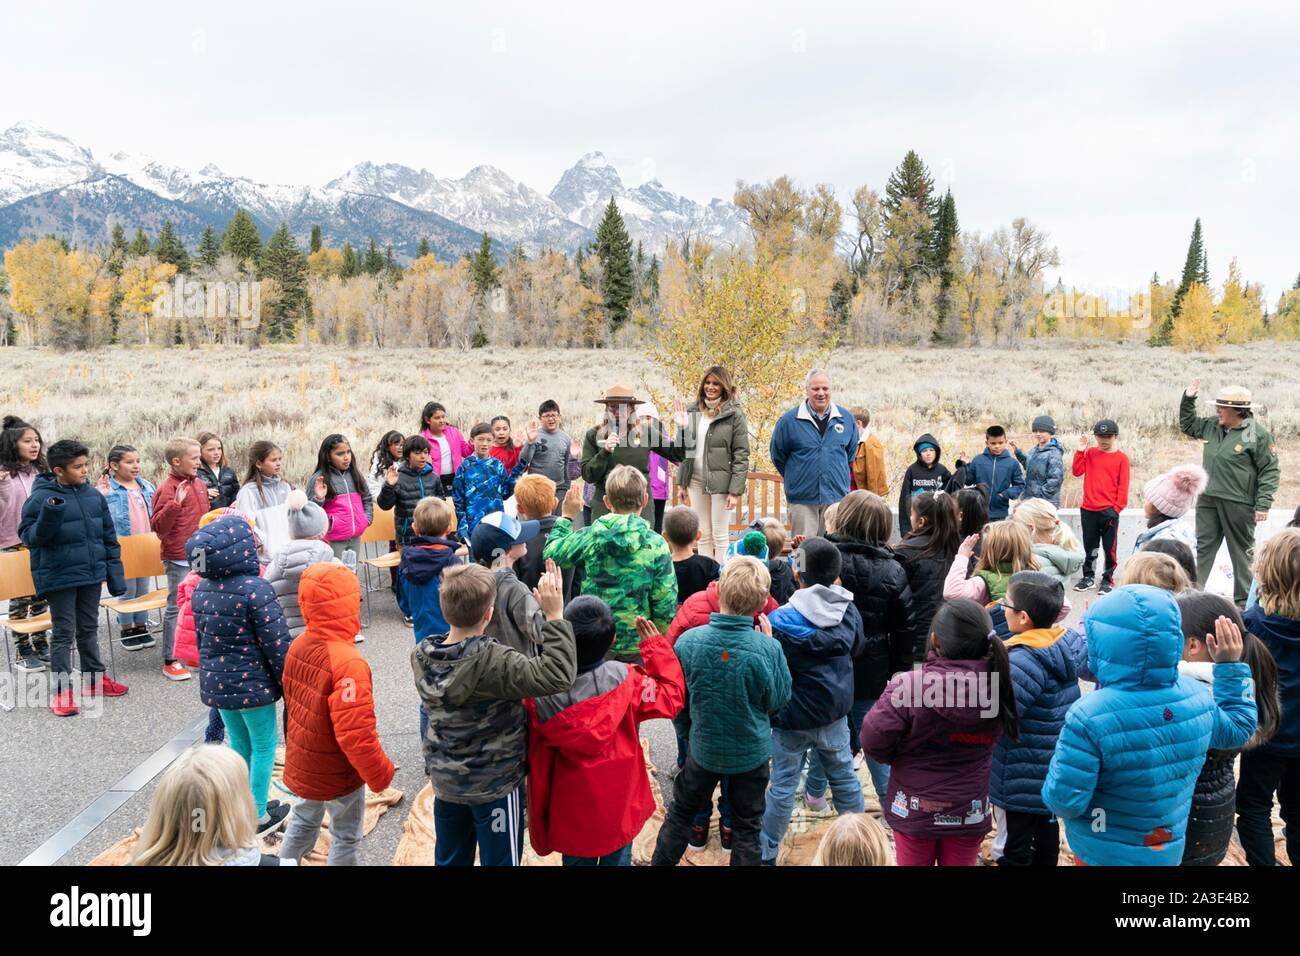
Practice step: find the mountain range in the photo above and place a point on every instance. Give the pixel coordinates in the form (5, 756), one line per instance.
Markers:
(49, 184)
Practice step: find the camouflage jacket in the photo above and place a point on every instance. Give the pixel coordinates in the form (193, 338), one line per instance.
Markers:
(476, 746)
(626, 565)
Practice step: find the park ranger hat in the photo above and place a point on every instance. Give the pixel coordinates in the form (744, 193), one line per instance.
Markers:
(619, 395)
(1234, 396)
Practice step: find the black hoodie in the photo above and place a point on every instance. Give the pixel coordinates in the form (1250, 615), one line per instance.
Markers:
(919, 478)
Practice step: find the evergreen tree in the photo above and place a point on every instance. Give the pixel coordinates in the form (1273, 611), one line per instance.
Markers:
(140, 244)
(946, 231)
(372, 263)
(652, 281)
(209, 248)
(315, 238)
(242, 240)
(117, 245)
(911, 180)
(1195, 269)
(284, 262)
(614, 249)
(517, 254)
(389, 262)
(351, 266)
(423, 249)
(168, 248)
(483, 267)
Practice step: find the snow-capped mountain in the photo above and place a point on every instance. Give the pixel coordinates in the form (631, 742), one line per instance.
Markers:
(33, 160)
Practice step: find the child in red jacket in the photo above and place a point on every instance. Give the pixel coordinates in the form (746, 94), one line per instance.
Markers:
(588, 792)
(178, 504)
(1105, 473)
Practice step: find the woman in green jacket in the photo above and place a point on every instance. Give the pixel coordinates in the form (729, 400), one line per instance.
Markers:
(712, 476)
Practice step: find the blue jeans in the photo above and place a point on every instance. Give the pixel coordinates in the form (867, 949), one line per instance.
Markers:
(135, 587)
(701, 819)
(815, 786)
(621, 857)
(830, 744)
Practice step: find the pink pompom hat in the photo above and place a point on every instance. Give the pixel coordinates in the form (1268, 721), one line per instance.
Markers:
(1174, 492)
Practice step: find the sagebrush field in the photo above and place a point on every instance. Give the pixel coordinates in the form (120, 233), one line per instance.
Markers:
(297, 395)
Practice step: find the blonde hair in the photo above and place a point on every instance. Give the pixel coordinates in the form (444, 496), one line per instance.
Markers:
(864, 516)
(1005, 545)
(830, 516)
(201, 806)
(774, 531)
(433, 517)
(1157, 569)
(854, 839)
(177, 447)
(468, 591)
(1044, 524)
(743, 586)
(535, 497)
(625, 487)
(1277, 569)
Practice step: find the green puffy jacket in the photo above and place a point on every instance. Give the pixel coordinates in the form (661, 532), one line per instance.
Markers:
(1240, 461)
(726, 452)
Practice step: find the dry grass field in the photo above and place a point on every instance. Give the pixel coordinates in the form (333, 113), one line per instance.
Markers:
(297, 395)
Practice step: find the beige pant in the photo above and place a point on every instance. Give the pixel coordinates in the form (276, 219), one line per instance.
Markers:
(808, 520)
(714, 521)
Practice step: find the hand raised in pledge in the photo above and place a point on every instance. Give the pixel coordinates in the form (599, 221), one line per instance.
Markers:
(390, 475)
(319, 489)
(571, 507)
(968, 546)
(646, 629)
(1194, 389)
(550, 592)
(1083, 442)
(1225, 644)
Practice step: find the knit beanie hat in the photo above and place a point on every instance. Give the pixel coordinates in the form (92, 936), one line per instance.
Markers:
(751, 544)
(307, 519)
(1174, 492)
(1044, 423)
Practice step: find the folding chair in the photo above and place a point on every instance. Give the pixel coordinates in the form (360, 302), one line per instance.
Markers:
(16, 582)
(141, 558)
(382, 529)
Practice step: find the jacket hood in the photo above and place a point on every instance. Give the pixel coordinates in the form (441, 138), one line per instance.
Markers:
(224, 548)
(423, 558)
(1065, 562)
(1051, 443)
(928, 439)
(330, 598)
(821, 620)
(301, 552)
(48, 484)
(586, 717)
(1135, 637)
(955, 689)
(1055, 648)
(1274, 626)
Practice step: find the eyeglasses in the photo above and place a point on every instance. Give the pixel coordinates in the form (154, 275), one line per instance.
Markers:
(1008, 607)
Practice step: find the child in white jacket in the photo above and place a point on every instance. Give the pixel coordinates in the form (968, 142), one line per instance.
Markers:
(307, 526)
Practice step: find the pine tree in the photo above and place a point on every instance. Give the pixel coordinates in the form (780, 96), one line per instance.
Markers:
(117, 245)
(284, 262)
(372, 263)
(423, 249)
(140, 244)
(242, 240)
(209, 248)
(167, 248)
(652, 281)
(389, 262)
(946, 231)
(911, 180)
(483, 267)
(315, 239)
(1195, 270)
(351, 266)
(614, 249)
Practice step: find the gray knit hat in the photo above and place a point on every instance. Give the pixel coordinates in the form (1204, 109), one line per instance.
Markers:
(1044, 423)
(307, 519)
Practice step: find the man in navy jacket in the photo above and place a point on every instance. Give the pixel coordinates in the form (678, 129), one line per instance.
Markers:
(813, 447)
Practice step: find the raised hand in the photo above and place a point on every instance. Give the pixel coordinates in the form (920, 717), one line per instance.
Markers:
(571, 507)
(180, 491)
(319, 489)
(968, 546)
(550, 592)
(679, 413)
(1194, 389)
(519, 439)
(390, 475)
(1225, 644)
(1013, 446)
(1083, 442)
(533, 426)
(646, 629)
(101, 483)
(764, 626)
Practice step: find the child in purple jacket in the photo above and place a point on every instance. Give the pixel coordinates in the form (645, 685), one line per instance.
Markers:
(936, 726)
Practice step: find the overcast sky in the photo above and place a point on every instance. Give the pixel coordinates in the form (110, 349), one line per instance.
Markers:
(1113, 126)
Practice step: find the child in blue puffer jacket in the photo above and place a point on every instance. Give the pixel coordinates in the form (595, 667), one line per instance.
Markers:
(1128, 756)
(482, 483)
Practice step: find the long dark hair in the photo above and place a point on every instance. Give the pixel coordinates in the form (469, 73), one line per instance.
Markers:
(324, 466)
(940, 513)
(1200, 610)
(116, 454)
(429, 409)
(14, 427)
(258, 452)
(510, 439)
(381, 457)
(964, 632)
(973, 507)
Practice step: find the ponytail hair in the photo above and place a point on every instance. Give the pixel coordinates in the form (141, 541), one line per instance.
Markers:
(964, 632)
(939, 509)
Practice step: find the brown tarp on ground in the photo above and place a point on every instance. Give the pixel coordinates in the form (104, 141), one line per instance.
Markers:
(377, 804)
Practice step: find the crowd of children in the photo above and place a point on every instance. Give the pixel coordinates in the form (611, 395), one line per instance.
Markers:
(942, 662)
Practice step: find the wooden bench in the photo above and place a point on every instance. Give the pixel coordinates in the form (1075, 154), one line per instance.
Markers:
(764, 497)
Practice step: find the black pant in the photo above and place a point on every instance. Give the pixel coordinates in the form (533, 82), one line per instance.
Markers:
(1103, 527)
(74, 613)
(660, 504)
(693, 792)
(1262, 774)
(1033, 839)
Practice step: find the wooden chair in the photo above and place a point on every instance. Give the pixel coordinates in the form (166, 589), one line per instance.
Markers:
(16, 582)
(764, 497)
(141, 558)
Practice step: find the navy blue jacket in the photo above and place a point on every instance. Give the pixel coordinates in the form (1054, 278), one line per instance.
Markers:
(1046, 683)
(73, 543)
(1281, 635)
(820, 632)
(238, 622)
(815, 468)
(1002, 475)
(420, 578)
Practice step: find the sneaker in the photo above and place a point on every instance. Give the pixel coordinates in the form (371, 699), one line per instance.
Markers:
(1106, 586)
(28, 659)
(699, 839)
(724, 837)
(137, 640)
(275, 817)
(859, 759)
(63, 705)
(359, 639)
(176, 671)
(1085, 584)
(42, 647)
(816, 804)
(103, 684)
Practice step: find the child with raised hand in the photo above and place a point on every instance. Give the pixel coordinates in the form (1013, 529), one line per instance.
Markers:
(339, 487)
(997, 469)
(67, 526)
(939, 756)
(307, 526)
(588, 791)
(926, 475)
(447, 446)
(1126, 761)
(820, 633)
(1105, 472)
(1275, 766)
(222, 482)
(926, 553)
(693, 571)
(1209, 825)
(482, 483)
(1054, 544)
(21, 462)
(736, 676)
(178, 504)
(210, 784)
(497, 543)
(505, 447)
(130, 498)
(1005, 548)
(623, 562)
(387, 452)
(242, 642)
(472, 689)
(551, 452)
(407, 484)
(1045, 660)
(854, 839)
